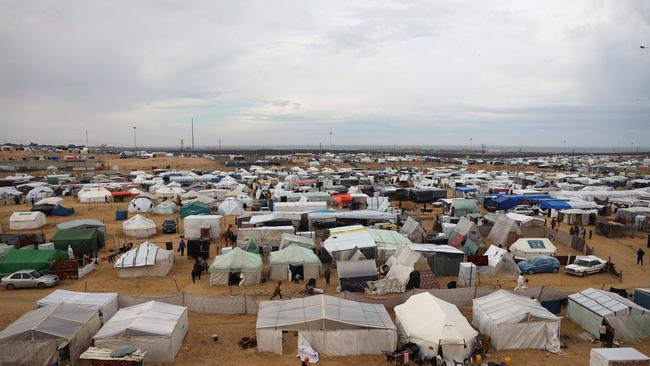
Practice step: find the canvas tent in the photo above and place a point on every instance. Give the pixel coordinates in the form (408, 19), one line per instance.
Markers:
(516, 322)
(444, 260)
(27, 220)
(294, 260)
(82, 224)
(38, 193)
(500, 262)
(145, 260)
(303, 241)
(617, 357)
(139, 227)
(266, 236)
(156, 328)
(231, 207)
(344, 241)
(193, 224)
(165, 208)
(38, 259)
(590, 307)
(35, 338)
(387, 242)
(526, 248)
(141, 204)
(93, 195)
(333, 326)
(354, 275)
(82, 241)
(105, 302)
(236, 262)
(430, 322)
(195, 208)
(413, 230)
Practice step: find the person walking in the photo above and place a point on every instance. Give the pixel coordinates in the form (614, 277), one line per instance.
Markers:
(277, 291)
(639, 256)
(591, 232)
(584, 232)
(196, 271)
(327, 273)
(181, 247)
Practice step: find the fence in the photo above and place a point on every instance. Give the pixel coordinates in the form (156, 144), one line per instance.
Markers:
(241, 304)
(459, 296)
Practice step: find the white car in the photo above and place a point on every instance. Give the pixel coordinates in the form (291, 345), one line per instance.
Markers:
(584, 265)
(524, 210)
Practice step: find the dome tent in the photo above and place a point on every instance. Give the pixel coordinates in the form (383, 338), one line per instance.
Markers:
(141, 204)
(165, 208)
(139, 227)
(236, 261)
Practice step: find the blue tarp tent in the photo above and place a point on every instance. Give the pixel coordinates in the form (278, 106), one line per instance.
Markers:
(466, 189)
(506, 202)
(545, 204)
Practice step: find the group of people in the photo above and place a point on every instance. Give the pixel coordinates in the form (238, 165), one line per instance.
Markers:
(200, 267)
(578, 231)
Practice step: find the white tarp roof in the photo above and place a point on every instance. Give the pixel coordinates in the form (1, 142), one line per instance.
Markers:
(528, 247)
(603, 356)
(606, 303)
(148, 319)
(140, 256)
(435, 248)
(348, 237)
(93, 299)
(504, 307)
(322, 312)
(519, 217)
(51, 322)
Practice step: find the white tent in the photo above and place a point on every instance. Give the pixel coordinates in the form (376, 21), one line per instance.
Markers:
(141, 204)
(299, 206)
(169, 192)
(38, 193)
(154, 327)
(56, 201)
(105, 302)
(430, 322)
(617, 356)
(145, 260)
(500, 262)
(303, 241)
(27, 220)
(165, 208)
(35, 338)
(231, 207)
(516, 322)
(193, 224)
(266, 236)
(344, 241)
(526, 248)
(333, 326)
(93, 195)
(139, 227)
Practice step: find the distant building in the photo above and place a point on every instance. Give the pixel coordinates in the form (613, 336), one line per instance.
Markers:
(301, 158)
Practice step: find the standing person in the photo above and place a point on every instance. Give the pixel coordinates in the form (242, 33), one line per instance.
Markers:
(277, 291)
(228, 236)
(181, 247)
(204, 265)
(602, 331)
(327, 274)
(610, 336)
(639, 256)
(584, 232)
(106, 199)
(553, 223)
(196, 271)
(591, 232)
(571, 230)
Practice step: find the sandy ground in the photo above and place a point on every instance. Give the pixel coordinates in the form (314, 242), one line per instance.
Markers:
(199, 349)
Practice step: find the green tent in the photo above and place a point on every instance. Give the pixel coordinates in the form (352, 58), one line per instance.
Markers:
(236, 260)
(472, 244)
(294, 255)
(38, 259)
(195, 208)
(464, 207)
(251, 246)
(445, 261)
(82, 240)
(86, 224)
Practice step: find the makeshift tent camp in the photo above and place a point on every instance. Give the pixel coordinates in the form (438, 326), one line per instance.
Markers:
(105, 302)
(35, 338)
(231, 207)
(500, 262)
(344, 241)
(266, 236)
(195, 208)
(516, 322)
(590, 307)
(527, 248)
(464, 207)
(165, 208)
(145, 260)
(38, 259)
(141, 204)
(617, 357)
(387, 242)
(82, 241)
(139, 227)
(333, 326)
(430, 323)
(194, 224)
(405, 267)
(227, 266)
(413, 230)
(94, 195)
(303, 241)
(354, 275)
(444, 260)
(26, 220)
(154, 327)
(83, 224)
(294, 260)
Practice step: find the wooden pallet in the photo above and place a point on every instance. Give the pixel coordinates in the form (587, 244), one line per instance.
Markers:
(66, 269)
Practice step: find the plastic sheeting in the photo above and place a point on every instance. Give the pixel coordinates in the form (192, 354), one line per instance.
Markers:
(105, 302)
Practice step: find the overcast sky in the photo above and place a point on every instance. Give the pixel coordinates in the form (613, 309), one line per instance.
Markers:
(289, 72)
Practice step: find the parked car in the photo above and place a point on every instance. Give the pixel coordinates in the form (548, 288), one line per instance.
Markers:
(539, 264)
(584, 265)
(29, 278)
(524, 210)
(169, 227)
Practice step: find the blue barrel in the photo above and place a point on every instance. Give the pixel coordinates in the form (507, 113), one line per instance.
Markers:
(121, 215)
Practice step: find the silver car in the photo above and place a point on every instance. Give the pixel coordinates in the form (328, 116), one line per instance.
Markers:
(29, 278)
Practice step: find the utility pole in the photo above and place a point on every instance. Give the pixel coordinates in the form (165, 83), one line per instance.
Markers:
(87, 140)
(219, 145)
(135, 145)
(181, 146)
(330, 140)
(192, 133)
